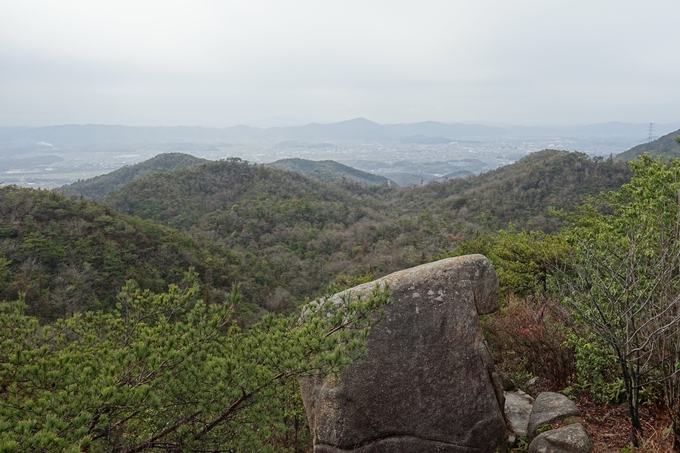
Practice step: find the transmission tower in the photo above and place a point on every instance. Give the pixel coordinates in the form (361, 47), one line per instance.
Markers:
(650, 131)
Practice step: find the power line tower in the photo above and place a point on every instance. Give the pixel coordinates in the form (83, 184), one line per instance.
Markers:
(650, 131)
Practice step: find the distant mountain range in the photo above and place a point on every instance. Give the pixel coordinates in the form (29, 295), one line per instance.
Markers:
(355, 129)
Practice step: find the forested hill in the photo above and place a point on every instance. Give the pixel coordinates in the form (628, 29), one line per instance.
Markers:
(281, 235)
(96, 188)
(295, 234)
(70, 255)
(663, 146)
(330, 171)
(521, 193)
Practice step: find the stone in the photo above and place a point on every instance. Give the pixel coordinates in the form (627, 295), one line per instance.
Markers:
(550, 407)
(531, 385)
(427, 382)
(517, 410)
(508, 383)
(568, 439)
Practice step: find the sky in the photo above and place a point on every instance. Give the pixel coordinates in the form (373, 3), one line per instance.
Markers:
(271, 63)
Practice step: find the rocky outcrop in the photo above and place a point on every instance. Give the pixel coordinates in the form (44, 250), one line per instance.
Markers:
(427, 382)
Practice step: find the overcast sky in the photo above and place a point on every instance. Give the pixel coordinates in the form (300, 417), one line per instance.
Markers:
(257, 62)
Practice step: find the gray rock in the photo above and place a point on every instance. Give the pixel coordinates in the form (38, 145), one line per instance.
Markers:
(530, 386)
(508, 383)
(427, 382)
(517, 410)
(550, 407)
(568, 439)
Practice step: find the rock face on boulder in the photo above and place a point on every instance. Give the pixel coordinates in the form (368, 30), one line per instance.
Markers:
(427, 382)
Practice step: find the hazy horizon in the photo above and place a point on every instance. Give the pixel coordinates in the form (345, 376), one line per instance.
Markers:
(295, 124)
(265, 63)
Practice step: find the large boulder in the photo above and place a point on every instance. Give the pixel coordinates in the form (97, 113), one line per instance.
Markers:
(427, 382)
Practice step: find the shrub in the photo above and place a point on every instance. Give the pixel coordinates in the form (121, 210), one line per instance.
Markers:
(528, 338)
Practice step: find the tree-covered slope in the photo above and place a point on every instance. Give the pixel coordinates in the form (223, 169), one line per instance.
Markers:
(663, 146)
(67, 255)
(330, 171)
(296, 234)
(96, 188)
(521, 193)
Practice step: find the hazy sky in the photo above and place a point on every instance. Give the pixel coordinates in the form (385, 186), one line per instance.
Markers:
(221, 63)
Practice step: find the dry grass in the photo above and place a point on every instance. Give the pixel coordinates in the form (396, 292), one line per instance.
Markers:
(609, 427)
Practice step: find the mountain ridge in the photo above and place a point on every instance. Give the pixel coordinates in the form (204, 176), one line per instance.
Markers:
(98, 187)
(330, 171)
(664, 146)
(352, 129)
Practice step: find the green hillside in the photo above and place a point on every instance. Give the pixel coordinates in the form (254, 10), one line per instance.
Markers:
(663, 146)
(296, 234)
(68, 255)
(522, 193)
(330, 171)
(279, 237)
(96, 188)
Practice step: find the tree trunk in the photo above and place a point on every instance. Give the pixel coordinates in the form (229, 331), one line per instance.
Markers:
(630, 379)
(676, 436)
(636, 427)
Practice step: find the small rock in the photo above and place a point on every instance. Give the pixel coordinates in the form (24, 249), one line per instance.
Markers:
(517, 410)
(550, 407)
(530, 386)
(568, 439)
(508, 384)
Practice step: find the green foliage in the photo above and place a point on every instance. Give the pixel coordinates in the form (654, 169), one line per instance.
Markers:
(622, 281)
(524, 261)
(295, 235)
(597, 369)
(523, 193)
(522, 445)
(543, 428)
(168, 371)
(70, 255)
(343, 282)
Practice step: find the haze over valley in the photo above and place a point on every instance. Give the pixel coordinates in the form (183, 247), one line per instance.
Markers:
(407, 154)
